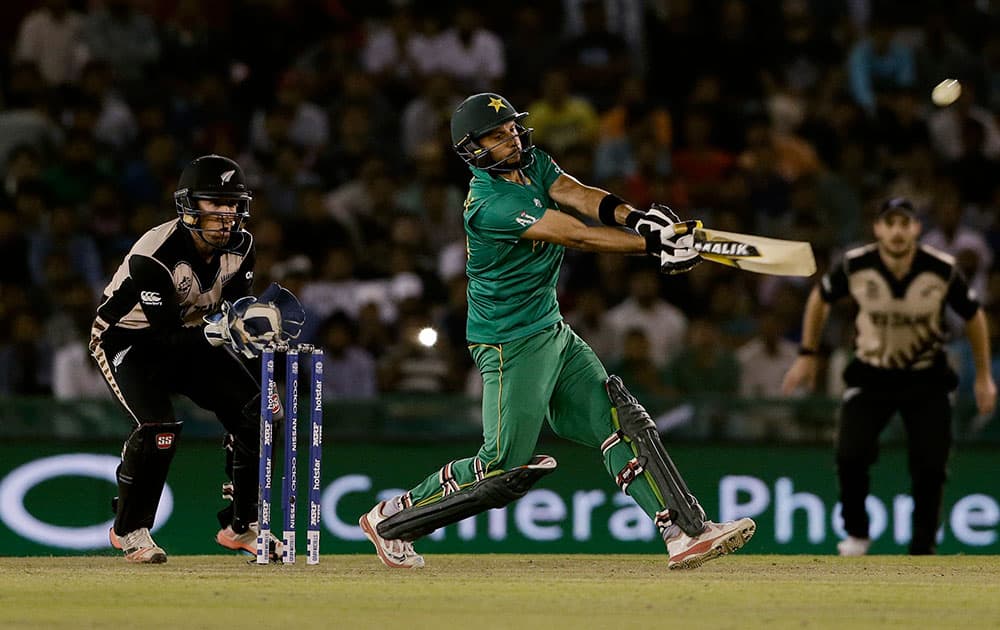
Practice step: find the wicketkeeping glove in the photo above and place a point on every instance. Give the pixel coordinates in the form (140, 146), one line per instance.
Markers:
(249, 324)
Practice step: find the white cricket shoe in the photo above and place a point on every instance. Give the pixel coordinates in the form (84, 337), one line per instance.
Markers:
(138, 546)
(395, 554)
(852, 546)
(716, 540)
(247, 541)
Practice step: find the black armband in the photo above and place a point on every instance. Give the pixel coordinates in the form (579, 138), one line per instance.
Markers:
(606, 211)
(632, 218)
(807, 352)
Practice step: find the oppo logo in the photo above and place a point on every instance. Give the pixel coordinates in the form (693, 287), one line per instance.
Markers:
(16, 486)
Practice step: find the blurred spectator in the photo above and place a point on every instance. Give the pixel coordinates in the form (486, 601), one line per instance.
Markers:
(940, 53)
(947, 127)
(121, 34)
(559, 118)
(879, 62)
(663, 323)
(25, 356)
(397, 54)
(589, 319)
(973, 172)
(699, 161)
(764, 359)
(287, 176)
(636, 367)
(420, 361)
(23, 164)
(708, 371)
(736, 52)
(115, 124)
(531, 50)
(672, 32)
(633, 131)
(49, 37)
(622, 17)
(306, 125)
(26, 119)
(470, 52)
(428, 116)
(335, 288)
(804, 49)
(348, 369)
(63, 235)
(972, 252)
(75, 375)
(595, 59)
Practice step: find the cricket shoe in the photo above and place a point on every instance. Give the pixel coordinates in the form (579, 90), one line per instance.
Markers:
(852, 546)
(138, 546)
(717, 539)
(246, 542)
(395, 554)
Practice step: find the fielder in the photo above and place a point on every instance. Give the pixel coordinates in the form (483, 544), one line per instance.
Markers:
(901, 290)
(152, 339)
(534, 367)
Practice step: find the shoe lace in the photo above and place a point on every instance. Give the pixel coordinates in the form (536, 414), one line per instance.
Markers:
(138, 539)
(402, 547)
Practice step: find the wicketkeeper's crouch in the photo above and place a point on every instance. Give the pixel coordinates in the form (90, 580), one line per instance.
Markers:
(151, 341)
(534, 367)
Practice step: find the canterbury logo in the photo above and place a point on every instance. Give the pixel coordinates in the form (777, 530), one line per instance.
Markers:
(117, 360)
(150, 298)
(225, 177)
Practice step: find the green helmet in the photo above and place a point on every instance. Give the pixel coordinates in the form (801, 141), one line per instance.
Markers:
(476, 116)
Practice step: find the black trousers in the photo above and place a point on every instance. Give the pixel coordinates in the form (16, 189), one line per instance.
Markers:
(926, 415)
(144, 373)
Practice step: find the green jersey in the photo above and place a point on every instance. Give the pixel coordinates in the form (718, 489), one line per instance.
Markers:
(512, 281)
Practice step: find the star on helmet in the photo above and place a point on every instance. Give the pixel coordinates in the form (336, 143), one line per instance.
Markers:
(496, 104)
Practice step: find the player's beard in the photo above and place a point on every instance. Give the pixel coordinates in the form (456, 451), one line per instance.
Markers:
(898, 250)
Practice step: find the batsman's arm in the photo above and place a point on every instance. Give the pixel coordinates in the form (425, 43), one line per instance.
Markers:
(566, 230)
(803, 370)
(590, 201)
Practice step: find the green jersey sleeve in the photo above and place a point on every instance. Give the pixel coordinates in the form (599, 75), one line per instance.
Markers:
(505, 217)
(547, 171)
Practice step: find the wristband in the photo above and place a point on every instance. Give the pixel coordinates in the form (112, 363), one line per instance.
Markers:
(807, 352)
(606, 211)
(632, 218)
(653, 244)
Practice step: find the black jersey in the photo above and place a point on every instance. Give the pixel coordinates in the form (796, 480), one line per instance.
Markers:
(165, 285)
(900, 322)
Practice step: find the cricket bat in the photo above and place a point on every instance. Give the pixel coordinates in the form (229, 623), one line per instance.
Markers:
(759, 254)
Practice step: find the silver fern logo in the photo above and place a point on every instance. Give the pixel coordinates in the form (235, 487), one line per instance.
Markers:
(120, 357)
(225, 177)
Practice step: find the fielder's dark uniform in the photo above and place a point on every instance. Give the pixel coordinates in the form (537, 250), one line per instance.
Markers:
(899, 365)
(148, 341)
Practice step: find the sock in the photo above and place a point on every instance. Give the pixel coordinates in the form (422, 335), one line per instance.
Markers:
(392, 506)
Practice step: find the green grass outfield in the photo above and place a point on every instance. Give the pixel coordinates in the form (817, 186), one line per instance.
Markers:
(503, 591)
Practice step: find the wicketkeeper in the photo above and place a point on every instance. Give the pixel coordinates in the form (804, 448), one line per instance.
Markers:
(152, 339)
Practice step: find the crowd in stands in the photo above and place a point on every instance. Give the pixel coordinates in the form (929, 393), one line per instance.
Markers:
(791, 118)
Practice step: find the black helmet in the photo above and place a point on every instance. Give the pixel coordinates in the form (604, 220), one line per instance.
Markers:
(217, 178)
(476, 116)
